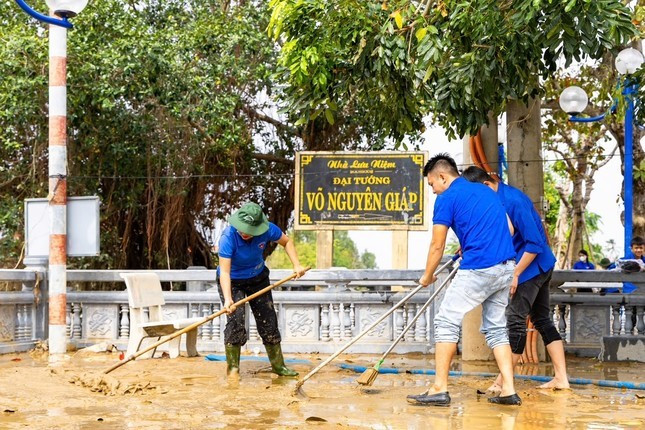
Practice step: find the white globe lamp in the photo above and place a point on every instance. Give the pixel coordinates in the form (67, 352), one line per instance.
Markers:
(628, 61)
(66, 8)
(573, 100)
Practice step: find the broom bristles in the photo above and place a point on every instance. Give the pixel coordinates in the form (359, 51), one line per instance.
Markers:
(368, 377)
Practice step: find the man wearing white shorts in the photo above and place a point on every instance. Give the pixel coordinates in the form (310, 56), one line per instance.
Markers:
(479, 220)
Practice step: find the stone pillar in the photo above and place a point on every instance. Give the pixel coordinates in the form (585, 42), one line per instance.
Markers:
(195, 285)
(41, 296)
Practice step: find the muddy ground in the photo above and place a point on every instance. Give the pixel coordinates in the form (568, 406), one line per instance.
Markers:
(187, 393)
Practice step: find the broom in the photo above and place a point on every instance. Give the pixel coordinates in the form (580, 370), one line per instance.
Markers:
(300, 383)
(369, 375)
(200, 322)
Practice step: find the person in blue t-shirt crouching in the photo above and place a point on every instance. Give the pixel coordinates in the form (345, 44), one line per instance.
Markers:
(476, 215)
(530, 287)
(241, 272)
(637, 248)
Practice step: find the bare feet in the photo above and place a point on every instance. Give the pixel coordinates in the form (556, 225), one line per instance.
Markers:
(556, 384)
(433, 389)
(494, 389)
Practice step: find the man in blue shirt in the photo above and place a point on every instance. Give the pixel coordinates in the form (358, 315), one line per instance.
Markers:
(475, 214)
(530, 286)
(241, 272)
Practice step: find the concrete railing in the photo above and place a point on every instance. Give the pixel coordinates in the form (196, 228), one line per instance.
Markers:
(341, 304)
(23, 316)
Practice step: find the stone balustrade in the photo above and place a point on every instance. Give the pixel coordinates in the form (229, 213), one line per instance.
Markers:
(316, 313)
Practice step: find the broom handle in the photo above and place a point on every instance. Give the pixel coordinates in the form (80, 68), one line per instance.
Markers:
(203, 321)
(421, 311)
(368, 329)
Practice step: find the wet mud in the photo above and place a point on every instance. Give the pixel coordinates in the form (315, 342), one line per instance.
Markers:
(194, 393)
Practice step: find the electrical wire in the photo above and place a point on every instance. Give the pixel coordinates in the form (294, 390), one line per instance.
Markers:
(278, 175)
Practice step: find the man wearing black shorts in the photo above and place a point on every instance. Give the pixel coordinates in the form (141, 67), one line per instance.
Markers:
(530, 286)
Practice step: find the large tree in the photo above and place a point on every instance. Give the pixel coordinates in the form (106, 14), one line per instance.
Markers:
(164, 118)
(172, 122)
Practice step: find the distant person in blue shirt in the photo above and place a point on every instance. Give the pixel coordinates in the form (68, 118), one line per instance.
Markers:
(477, 217)
(637, 248)
(531, 279)
(241, 272)
(583, 262)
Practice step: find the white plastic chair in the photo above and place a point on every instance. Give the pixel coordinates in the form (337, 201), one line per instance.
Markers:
(144, 291)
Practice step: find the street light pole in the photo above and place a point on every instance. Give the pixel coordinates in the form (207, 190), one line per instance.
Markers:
(57, 188)
(57, 196)
(629, 91)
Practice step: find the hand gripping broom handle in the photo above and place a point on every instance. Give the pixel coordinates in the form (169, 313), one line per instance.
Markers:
(421, 311)
(203, 321)
(368, 329)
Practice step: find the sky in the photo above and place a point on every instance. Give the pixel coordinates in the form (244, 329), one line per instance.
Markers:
(605, 201)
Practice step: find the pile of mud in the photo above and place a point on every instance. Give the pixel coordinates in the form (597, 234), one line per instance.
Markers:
(110, 386)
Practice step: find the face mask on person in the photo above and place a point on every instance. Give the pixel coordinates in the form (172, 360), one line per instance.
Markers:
(583, 258)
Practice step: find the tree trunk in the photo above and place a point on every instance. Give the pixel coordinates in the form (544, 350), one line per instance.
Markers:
(525, 150)
(560, 241)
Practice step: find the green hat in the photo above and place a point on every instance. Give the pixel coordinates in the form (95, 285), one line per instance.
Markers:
(605, 262)
(249, 219)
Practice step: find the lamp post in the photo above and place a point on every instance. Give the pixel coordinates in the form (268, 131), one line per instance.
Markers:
(58, 25)
(573, 101)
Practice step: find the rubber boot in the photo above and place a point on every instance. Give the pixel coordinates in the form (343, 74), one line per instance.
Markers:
(232, 359)
(277, 360)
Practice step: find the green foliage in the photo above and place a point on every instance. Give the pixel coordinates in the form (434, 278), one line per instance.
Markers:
(451, 247)
(639, 76)
(345, 253)
(305, 242)
(159, 95)
(392, 63)
(639, 172)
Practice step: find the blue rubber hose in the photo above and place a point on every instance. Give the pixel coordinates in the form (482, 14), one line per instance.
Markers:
(538, 378)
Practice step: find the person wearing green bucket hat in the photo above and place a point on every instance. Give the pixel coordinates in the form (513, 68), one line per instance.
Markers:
(242, 272)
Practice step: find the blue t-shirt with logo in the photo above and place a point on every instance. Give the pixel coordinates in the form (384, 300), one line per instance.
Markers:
(529, 234)
(583, 265)
(246, 256)
(478, 218)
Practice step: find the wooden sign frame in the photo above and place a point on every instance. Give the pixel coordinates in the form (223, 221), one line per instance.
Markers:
(358, 222)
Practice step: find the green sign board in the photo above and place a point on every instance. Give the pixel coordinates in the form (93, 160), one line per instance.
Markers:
(347, 190)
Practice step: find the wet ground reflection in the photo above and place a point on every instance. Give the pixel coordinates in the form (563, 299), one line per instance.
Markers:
(194, 393)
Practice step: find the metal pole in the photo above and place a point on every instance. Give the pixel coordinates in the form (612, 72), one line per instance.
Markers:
(57, 189)
(628, 92)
